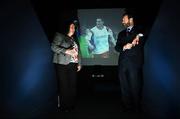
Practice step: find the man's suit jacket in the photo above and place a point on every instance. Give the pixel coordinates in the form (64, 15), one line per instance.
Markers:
(135, 55)
(59, 46)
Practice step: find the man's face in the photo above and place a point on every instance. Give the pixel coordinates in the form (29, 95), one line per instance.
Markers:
(87, 31)
(99, 22)
(126, 21)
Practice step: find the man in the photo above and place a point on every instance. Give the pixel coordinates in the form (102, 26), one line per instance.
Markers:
(101, 38)
(85, 45)
(130, 44)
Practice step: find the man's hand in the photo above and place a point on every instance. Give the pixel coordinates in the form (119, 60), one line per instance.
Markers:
(127, 46)
(136, 40)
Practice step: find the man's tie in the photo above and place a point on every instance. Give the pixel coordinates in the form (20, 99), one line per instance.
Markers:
(128, 31)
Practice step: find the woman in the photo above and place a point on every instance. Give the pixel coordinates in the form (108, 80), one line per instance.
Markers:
(67, 63)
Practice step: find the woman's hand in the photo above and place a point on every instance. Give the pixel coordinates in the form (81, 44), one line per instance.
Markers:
(78, 67)
(72, 52)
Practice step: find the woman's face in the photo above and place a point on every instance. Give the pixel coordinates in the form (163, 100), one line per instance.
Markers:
(72, 28)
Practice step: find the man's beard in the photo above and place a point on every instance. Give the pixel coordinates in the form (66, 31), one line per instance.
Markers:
(126, 25)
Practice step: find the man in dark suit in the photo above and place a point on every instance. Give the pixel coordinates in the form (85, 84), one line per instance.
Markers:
(130, 44)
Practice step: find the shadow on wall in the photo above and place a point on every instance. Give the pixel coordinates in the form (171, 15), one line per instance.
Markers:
(161, 86)
(28, 76)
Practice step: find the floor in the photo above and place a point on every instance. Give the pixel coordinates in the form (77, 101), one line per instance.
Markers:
(102, 105)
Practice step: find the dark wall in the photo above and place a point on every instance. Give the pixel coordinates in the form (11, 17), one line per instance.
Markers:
(162, 76)
(26, 62)
(52, 14)
(26, 59)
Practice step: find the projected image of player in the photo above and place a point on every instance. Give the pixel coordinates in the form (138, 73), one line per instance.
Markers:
(101, 38)
(85, 46)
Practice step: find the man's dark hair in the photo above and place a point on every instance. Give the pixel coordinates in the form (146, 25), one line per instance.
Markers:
(130, 15)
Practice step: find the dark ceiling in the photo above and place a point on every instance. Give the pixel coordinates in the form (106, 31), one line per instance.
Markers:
(51, 13)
